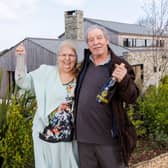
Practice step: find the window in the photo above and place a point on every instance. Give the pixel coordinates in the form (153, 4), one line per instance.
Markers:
(161, 43)
(131, 42)
(125, 42)
(140, 43)
(149, 43)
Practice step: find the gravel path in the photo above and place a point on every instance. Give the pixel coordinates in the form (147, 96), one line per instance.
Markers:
(160, 161)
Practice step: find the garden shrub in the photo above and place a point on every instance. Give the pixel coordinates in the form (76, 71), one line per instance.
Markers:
(153, 113)
(136, 118)
(4, 104)
(16, 146)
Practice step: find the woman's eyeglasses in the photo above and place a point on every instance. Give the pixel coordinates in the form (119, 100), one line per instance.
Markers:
(67, 55)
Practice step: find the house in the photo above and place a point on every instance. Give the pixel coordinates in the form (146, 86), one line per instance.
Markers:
(130, 41)
(38, 51)
(146, 51)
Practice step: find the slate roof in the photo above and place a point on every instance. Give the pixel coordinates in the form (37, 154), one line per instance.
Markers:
(117, 27)
(122, 28)
(49, 44)
(52, 44)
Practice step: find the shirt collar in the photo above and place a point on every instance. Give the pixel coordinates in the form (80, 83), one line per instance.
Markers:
(102, 63)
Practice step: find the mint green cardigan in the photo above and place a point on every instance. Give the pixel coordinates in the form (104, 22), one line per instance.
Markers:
(45, 83)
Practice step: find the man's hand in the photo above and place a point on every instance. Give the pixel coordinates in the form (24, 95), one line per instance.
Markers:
(119, 72)
(20, 50)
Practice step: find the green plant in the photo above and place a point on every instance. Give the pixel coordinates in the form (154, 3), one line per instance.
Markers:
(154, 110)
(4, 105)
(150, 114)
(16, 147)
(160, 138)
(136, 118)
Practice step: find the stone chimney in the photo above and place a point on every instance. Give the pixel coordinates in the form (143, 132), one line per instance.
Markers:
(74, 26)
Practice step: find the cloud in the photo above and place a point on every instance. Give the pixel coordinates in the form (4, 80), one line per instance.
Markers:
(74, 3)
(6, 12)
(11, 10)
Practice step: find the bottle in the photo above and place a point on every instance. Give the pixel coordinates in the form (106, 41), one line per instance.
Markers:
(107, 91)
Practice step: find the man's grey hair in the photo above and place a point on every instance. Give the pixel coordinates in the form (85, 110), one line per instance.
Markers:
(105, 32)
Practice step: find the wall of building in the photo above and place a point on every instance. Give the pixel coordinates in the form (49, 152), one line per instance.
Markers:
(4, 83)
(114, 37)
(36, 56)
(146, 59)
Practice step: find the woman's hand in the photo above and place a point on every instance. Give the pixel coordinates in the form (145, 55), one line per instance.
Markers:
(63, 106)
(20, 50)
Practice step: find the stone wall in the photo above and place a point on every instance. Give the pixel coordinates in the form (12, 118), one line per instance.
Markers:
(74, 26)
(147, 59)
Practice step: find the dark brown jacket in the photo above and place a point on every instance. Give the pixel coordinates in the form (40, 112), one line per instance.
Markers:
(126, 92)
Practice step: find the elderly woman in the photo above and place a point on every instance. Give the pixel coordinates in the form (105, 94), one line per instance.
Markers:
(53, 86)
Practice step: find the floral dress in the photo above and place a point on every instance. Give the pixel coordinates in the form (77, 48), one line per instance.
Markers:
(60, 126)
(49, 121)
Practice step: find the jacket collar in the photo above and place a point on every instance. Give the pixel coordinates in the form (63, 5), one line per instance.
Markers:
(114, 58)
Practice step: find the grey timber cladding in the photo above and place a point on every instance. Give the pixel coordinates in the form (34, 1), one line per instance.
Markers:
(36, 55)
(44, 51)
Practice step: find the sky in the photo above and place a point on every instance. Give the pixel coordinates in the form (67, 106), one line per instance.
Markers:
(20, 19)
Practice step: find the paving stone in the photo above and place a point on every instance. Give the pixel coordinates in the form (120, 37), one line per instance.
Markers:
(160, 161)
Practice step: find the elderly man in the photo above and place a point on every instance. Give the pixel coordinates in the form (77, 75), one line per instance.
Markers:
(96, 124)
